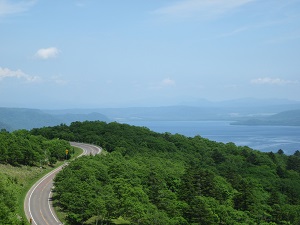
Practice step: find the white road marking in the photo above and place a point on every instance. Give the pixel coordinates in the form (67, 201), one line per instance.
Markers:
(50, 208)
(36, 185)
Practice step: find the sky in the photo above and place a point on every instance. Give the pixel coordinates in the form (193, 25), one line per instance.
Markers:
(120, 53)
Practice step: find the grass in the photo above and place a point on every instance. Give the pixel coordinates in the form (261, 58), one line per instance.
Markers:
(26, 176)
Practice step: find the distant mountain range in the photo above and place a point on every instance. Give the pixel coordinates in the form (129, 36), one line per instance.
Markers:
(286, 118)
(243, 111)
(235, 110)
(19, 118)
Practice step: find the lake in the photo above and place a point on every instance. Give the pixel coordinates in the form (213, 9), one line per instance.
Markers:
(263, 138)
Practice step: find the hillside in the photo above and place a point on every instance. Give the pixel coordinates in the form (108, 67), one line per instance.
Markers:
(151, 178)
(19, 118)
(286, 118)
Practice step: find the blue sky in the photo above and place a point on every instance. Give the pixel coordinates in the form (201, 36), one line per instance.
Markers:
(92, 53)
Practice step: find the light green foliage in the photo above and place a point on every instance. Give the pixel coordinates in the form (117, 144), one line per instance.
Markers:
(120, 220)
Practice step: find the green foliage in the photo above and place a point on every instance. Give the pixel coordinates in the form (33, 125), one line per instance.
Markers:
(8, 200)
(151, 178)
(120, 220)
(22, 148)
(293, 163)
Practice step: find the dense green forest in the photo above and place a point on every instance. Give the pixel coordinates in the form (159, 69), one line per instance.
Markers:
(21, 156)
(153, 178)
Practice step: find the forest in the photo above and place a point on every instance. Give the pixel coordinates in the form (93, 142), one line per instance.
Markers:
(22, 153)
(161, 178)
(22, 148)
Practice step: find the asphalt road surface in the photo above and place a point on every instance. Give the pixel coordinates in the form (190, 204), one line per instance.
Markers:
(37, 205)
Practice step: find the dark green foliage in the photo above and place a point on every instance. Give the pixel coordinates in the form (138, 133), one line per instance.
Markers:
(297, 153)
(151, 178)
(293, 163)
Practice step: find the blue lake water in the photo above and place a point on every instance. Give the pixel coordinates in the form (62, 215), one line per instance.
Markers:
(263, 138)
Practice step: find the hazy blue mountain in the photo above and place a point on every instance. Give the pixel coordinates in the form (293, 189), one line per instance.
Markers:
(245, 111)
(4, 126)
(197, 110)
(272, 103)
(19, 118)
(286, 118)
(69, 117)
(156, 113)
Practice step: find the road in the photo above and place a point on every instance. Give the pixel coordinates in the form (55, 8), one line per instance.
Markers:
(37, 205)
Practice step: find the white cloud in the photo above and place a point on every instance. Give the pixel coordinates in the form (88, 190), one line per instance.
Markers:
(81, 3)
(12, 7)
(273, 81)
(46, 53)
(203, 8)
(167, 82)
(58, 80)
(19, 74)
(163, 84)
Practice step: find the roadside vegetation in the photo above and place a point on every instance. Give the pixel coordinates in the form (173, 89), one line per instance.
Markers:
(24, 158)
(153, 178)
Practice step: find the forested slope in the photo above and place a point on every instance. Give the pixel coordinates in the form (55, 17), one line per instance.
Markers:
(152, 178)
(22, 157)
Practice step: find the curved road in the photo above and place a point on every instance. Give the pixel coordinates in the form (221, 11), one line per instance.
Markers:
(37, 204)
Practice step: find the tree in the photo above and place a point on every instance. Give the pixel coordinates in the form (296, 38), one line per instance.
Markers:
(280, 152)
(297, 153)
(97, 211)
(293, 163)
(218, 156)
(199, 212)
(52, 160)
